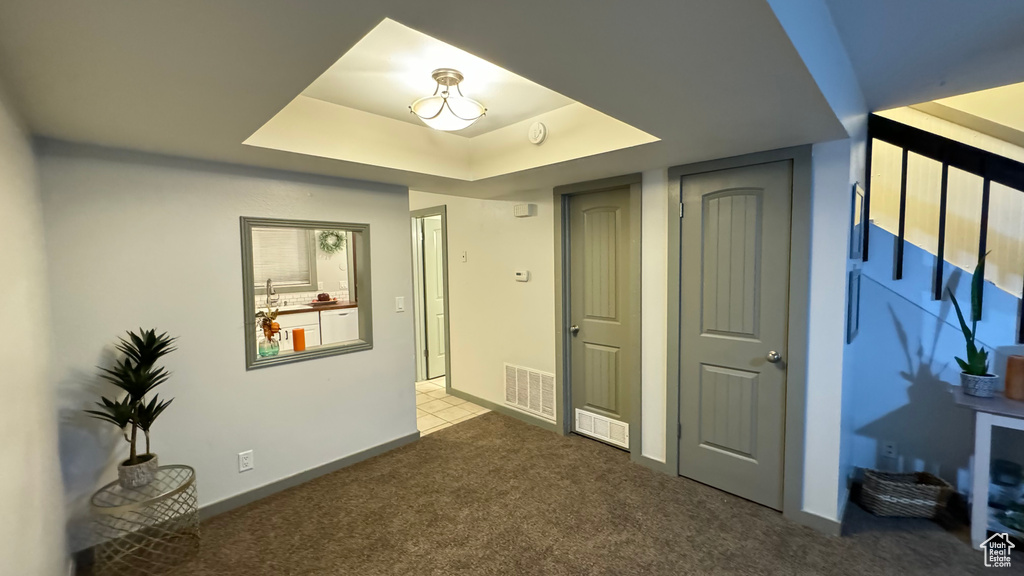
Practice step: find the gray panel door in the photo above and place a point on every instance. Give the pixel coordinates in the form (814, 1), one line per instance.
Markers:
(735, 290)
(599, 237)
(433, 294)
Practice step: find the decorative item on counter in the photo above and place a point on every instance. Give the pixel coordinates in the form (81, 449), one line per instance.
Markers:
(1015, 378)
(975, 378)
(331, 241)
(323, 299)
(270, 344)
(298, 339)
(137, 374)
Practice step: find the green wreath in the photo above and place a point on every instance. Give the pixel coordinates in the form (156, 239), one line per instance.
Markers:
(331, 241)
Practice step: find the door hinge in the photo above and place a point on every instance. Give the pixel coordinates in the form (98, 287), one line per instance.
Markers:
(425, 353)
(680, 209)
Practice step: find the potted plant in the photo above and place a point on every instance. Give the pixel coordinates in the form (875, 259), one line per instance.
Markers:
(975, 378)
(266, 321)
(137, 375)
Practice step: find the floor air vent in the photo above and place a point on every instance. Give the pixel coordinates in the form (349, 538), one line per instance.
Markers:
(601, 428)
(530, 391)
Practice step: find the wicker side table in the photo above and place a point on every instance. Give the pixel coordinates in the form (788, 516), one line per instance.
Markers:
(146, 530)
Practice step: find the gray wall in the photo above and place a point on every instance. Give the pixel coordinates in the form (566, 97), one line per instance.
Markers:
(31, 511)
(139, 240)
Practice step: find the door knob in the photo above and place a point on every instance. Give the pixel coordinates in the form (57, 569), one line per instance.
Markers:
(574, 329)
(773, 357)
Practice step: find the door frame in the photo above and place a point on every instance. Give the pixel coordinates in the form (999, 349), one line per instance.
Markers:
(563, 374)
(419, 307)
(799, 286)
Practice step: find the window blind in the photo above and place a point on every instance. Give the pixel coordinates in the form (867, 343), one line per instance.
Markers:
(281, 254)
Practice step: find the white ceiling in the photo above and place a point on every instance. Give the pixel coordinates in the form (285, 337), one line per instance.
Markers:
(1003, 105)
(357, 112)
(390, 68)
(195, 78)
(911, 51)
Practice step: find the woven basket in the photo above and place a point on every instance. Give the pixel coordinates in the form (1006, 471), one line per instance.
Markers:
(914, 495)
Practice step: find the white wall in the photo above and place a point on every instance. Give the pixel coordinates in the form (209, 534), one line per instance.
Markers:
(31, 508)
(138, 240)
(904, 354)
(830, 224)
(654, 312)
(495, 319)
(963, 211)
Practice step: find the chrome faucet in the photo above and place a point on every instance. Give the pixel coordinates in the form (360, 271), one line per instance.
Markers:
(272, 297)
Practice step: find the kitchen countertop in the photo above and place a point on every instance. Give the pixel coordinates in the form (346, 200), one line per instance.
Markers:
(298, 309)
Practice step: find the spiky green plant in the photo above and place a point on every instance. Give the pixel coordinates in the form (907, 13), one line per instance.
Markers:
(137, 375)
(117, 413)
(147, 413)
(977, 358)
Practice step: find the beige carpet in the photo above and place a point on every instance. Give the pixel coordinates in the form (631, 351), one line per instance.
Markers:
(495, 496)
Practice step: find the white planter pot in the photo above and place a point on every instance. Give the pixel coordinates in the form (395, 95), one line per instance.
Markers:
(981, 386)
(138, 475)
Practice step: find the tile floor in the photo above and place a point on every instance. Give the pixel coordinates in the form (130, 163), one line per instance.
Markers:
(436, 410)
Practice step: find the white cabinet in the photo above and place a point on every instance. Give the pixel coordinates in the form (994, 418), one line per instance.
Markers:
(321, 326)
(312, 336)
(308, 321)
(298, 320)
(339, 325)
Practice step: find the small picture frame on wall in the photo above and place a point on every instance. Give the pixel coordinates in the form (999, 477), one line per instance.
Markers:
(857, 222)
(853, 305)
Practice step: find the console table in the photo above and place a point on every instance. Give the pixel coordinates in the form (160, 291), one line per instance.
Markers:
(149, 529)
(988, 413)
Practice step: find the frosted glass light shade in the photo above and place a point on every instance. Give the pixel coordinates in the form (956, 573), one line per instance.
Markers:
(449, 113)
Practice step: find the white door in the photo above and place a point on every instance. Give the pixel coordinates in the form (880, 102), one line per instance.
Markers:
(733, 329)
(433, 295)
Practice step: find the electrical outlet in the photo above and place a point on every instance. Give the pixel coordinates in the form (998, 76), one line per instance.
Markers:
(245, 461)
(319, 285)
(889, 449)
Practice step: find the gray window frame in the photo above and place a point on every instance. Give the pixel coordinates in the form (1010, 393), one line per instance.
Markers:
(361, 257)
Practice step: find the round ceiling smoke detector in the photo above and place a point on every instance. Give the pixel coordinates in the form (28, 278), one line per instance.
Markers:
(538, 132)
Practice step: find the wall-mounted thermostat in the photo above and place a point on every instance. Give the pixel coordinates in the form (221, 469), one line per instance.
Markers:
(522, 275)
(538, 132)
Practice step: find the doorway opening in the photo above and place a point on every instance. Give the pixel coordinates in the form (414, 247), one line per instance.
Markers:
(436, 409)
(430, 286)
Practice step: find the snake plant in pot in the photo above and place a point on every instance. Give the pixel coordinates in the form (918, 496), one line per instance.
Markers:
(975, 378)
(137, 375)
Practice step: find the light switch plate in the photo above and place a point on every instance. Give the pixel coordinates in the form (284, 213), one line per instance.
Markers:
(465, 256)
(400, 304)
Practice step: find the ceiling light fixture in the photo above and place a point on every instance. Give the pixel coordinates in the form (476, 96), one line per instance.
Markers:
(446, 111)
